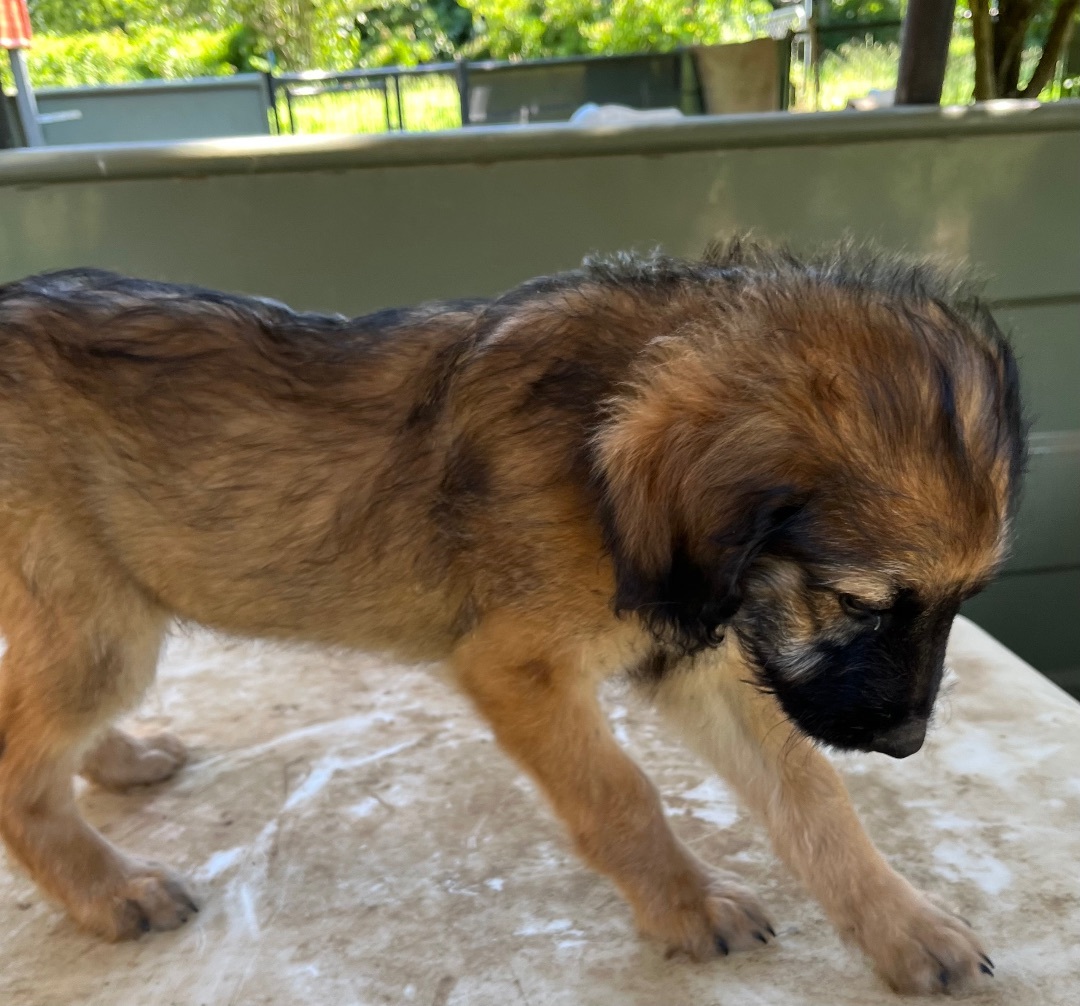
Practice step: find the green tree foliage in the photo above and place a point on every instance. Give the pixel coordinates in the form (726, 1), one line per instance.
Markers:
(1002, 34)
(71, 17)
(115, 57)
(846, 19)
(98, 41)
(335, 34)
(338, 34)
(530, 29)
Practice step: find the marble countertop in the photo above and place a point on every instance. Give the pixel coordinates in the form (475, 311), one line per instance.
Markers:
(356, 838)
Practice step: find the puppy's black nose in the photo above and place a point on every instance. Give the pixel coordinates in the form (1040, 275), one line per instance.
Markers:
(903, 740)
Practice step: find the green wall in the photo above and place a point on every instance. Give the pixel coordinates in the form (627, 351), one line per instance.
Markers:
(356, 223)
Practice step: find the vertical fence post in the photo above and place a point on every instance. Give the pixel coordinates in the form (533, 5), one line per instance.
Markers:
(271, 96)
(400, 109)
(10, 135)
(288, 104)
(783, 61)
(690, 101)
(463, 90)
(25, 100)
(813, 31)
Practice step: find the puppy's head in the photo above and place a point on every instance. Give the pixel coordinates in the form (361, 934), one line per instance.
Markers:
(822, 460)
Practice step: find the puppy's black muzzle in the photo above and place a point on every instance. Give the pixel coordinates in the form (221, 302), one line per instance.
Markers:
(901, 741)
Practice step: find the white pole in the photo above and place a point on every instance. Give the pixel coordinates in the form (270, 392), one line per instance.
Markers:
(24, 98)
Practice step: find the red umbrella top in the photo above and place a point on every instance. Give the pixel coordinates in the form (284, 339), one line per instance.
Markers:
(14, 24)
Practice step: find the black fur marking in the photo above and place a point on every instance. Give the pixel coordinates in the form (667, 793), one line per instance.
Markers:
(950, 426)
(569, 386)
(1013, 428)
(656, 665)
(435, 382)
(687, 604)
(466, 483)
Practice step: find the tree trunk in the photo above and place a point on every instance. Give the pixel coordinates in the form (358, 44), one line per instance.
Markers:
(924, 51)
(982, 29)
(1010, 29)
(1057, 38)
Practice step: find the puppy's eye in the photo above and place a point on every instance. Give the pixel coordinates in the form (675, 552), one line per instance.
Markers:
(860, 611)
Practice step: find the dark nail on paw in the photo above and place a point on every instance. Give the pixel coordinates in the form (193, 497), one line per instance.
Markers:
(943, 977)
(771, 931)
(989, 962)
(140, 915)
(721, 946)
(985, 970)
(762, 937)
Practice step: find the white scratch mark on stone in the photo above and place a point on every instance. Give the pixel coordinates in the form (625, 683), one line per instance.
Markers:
(548, 928)
(956, 863)
(365, 808)
(326, 768)
(716, 805)
(247, 908)
(947, 821)
(354, 725)
(973, 753)
(219, 862)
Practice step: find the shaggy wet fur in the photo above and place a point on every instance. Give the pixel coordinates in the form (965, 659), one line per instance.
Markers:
(759, 484)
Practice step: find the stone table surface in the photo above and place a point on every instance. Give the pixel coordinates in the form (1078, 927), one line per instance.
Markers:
(357, 838)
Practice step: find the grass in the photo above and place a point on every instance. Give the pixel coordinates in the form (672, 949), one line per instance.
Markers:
(856, 68)
(427, 102)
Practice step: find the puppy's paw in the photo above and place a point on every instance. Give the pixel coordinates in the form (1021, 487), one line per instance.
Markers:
(148, 897)
(121, 761)
(922, 949)
(719, 918)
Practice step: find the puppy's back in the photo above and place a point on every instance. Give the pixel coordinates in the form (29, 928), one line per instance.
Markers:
(247, 464)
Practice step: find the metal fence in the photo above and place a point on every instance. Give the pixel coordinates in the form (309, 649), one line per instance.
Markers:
(448, 95)
(367, 101)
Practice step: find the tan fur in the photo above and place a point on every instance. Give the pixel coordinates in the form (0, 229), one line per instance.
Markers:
(800, 798)
(476, 484)
(118, 761)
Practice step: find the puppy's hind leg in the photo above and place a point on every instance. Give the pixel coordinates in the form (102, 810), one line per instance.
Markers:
(118, 761)
(801, 799)
(65, 675)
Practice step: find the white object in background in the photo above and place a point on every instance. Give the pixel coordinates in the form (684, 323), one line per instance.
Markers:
(874, 99)
(592, 114)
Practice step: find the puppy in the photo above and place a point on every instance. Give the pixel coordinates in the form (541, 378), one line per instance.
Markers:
(760, 486)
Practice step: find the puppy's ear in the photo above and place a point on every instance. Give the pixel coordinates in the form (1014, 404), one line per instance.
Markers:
(682, 525)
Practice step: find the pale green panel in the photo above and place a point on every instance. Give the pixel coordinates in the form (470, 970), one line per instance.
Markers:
(158, 110)
(1047, 342)
(1035, 614)
(361, 238)
(1048, 524)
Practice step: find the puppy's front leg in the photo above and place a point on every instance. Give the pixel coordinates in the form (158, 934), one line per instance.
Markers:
(800, 797)
(540, 699)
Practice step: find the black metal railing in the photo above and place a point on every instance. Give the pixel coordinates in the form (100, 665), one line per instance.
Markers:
(448, 95)
(364, 101)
